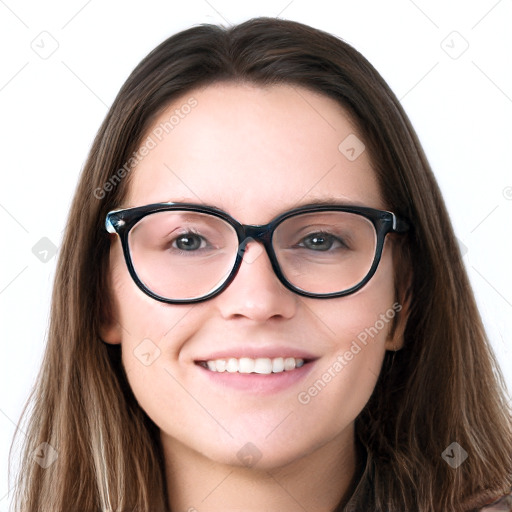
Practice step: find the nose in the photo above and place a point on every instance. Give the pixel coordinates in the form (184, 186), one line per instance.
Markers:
(256, 292)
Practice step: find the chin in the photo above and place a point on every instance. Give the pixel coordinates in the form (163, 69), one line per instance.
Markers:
(264, 454)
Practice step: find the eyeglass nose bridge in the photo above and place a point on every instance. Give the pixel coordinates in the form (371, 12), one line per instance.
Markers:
(262, 234)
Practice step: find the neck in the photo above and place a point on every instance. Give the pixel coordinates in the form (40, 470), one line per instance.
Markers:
(318, 481)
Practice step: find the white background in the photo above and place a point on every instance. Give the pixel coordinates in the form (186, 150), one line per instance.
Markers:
(459, 100)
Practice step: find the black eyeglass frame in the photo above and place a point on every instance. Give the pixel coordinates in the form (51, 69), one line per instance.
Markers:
(123, 220)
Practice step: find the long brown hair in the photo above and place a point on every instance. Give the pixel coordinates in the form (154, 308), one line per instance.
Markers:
(444, 386)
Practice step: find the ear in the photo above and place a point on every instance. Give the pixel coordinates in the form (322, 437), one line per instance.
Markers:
(110, 331)
(395, 339)
(403, 293)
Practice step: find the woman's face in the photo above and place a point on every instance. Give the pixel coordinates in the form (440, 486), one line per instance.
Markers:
(253, 153)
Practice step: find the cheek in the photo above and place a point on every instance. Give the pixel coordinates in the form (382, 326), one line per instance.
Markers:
(149, 329)
(358, 327)
(153, 334)
(363, 318)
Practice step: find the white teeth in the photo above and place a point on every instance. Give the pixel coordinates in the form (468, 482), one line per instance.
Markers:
(245, 365)
(261, 365)
(232, 365)
(277, 364)
(289, 363)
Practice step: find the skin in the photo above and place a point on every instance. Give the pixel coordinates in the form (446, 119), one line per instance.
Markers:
(254, 153)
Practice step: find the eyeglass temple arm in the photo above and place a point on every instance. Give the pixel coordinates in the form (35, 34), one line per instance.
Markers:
(400, 225)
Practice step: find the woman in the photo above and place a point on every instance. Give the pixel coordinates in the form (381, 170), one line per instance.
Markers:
(260, 302)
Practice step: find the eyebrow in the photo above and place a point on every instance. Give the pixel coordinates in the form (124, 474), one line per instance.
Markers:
(328, 201)
(318, 201)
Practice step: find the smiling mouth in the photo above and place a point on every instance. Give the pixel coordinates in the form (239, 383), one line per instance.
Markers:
(260, 365)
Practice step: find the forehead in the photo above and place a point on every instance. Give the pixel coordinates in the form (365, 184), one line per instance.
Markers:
(253, 152)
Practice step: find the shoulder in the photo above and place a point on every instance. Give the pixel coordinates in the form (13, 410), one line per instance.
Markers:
(503, 504)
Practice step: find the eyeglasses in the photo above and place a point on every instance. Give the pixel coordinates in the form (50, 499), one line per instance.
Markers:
(181, 253)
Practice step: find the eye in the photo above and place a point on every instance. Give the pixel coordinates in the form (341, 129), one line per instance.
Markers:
(320, 242)
(189, 242)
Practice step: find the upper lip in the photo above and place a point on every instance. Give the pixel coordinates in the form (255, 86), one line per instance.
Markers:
(258, 352)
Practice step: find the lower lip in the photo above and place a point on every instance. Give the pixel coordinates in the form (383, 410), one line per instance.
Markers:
(258, 383)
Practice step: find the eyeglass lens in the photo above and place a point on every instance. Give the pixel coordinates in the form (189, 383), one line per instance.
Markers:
(186, 255)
